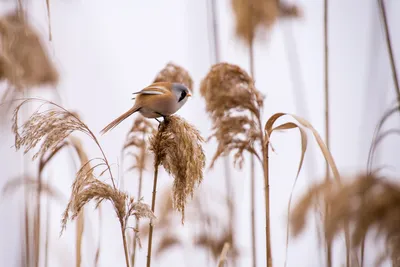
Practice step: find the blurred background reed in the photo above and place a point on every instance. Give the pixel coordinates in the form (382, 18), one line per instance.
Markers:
(331, 63)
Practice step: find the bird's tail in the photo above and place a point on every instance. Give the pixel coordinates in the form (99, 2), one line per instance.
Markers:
(118, 120)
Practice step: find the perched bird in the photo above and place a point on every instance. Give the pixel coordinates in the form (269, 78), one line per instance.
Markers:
(159, 99)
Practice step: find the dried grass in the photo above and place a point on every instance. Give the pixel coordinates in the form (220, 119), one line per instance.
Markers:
(255, 17)
(368, 203)
(175, 74)
(234, 105)
(177, 147)
(24, 62)
(52, 127)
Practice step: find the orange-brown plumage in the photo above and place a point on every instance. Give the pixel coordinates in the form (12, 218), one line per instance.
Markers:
(159, 99)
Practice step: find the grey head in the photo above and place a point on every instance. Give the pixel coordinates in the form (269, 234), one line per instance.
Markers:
(181, 92)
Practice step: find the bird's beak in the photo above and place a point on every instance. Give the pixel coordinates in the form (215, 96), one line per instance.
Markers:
(189, 94)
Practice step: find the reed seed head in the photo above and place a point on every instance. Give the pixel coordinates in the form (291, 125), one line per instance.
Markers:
(175, 74)
(93, 189)
(52, 126)
(23, 60)
(136, 140)
(234, 105)
(368, 203)
(177, 146)
(256, 17)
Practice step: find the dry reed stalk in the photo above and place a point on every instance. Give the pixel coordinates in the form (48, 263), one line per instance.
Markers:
(368, 202)
(177, 147)
(389, 48)
(49, 19)
(327, 130)
(224, 252)
(227, 171)
(175, 73)
(52, 127)
(136, 139)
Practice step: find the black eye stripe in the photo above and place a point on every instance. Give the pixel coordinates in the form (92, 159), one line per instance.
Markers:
(183, 95)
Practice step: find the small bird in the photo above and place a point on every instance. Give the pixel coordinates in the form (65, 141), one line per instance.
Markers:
(159, 99)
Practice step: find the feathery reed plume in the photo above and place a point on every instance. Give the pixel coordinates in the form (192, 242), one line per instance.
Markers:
(53, 126)
(227, 89)
(253, 17)
(24, 62)
(368, 203)
(177, 146)
(234, 105)
(137, 140)
(175, 74)
(230, 93)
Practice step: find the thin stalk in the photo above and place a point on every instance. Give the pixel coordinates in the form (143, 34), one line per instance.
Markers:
(227, 172)
(139, 195)
(153, 205)
(389, 48)
(49, 18)
(121, 221)
(47, 238)
(37, 222)
(223, 256)
(252, 177)
(327, 139)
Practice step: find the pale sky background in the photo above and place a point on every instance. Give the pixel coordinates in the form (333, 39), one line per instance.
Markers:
(105, 50)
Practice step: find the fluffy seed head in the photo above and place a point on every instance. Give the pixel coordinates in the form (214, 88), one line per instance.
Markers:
(234, 105)
(175, 74)
(177, 146)
(24, 62)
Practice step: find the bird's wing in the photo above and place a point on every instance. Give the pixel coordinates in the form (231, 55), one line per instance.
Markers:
(154, 89)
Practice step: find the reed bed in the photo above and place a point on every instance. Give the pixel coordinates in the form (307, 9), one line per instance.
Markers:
(356, 206)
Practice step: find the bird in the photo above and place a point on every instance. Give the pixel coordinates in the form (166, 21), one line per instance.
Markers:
(159, 99)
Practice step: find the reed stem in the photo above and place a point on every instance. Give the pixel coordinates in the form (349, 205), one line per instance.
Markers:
(121, 221)
(327, 139)
(265, 152)
(139, 195)
(252, 177)
(389, 48)
(153, 204)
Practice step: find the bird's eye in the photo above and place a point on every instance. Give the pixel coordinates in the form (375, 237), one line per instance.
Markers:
(183, 95)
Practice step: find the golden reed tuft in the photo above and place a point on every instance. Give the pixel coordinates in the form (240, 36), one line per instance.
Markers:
(136, 139)
(234, 105)
(174, 73)
(368, 202)
(177, 146)
(254, 16)
(24, 62)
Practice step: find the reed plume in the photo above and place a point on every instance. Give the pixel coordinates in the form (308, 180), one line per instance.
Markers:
(177, 147)
(255, 17)
(235, 107)
(24, 62)
(368, 203)
(51, 127)
(175, 74)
